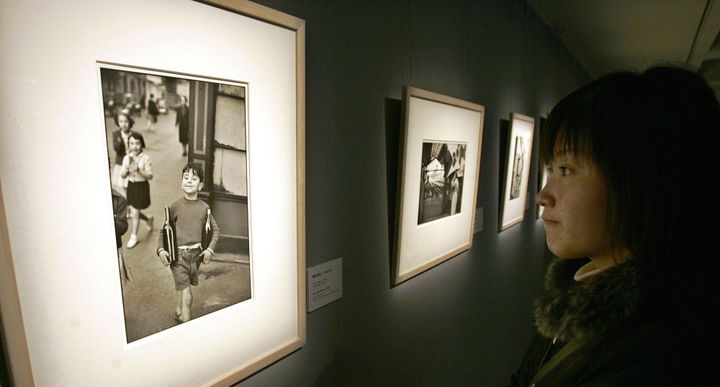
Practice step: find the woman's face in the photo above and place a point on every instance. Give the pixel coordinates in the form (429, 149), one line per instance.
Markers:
(575, 204)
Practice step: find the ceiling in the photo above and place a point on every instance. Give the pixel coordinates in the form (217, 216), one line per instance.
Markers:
(609, 35)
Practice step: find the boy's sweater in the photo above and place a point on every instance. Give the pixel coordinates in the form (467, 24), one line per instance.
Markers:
(188, 216)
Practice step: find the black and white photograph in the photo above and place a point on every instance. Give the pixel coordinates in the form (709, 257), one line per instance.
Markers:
(517, 169)
(516, 175)
(177, 154)
(441, 180)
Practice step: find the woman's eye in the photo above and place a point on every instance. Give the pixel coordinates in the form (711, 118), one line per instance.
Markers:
(564, 171)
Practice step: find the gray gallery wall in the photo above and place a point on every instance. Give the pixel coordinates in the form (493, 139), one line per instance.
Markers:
(467, 321)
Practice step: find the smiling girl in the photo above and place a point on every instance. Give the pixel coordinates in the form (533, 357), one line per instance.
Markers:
(137, 168)
(631, 213)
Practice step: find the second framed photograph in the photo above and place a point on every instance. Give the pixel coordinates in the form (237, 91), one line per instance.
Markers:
(517, 170)
(439, 170)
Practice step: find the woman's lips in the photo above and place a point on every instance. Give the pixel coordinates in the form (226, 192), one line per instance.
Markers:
(550, 221)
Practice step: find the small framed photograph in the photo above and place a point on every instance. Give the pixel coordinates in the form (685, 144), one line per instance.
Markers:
(438, 175)
(517, 170)
(542, 170)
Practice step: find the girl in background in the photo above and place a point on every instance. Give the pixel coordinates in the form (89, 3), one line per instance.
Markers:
(120, 144)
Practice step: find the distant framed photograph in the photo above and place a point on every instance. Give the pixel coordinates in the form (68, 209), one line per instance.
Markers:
(517, 170)
(154, 224)
(542, 169)
(542, 180)
(438, 175)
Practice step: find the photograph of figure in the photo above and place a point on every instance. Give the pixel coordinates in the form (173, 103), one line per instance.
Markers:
(441, 180)
(185, 169)
(517, 169)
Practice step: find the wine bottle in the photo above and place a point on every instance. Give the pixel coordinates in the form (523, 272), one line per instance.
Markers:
(207, 233)
(169, 242)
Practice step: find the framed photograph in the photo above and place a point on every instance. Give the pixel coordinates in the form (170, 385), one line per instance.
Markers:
(153, 224)
(517, 170)
(438, 175)
(542, 170)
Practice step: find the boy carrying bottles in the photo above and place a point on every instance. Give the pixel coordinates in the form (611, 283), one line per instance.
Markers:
(187, 219)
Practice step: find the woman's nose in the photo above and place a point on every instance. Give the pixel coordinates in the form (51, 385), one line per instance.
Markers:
(544, 199)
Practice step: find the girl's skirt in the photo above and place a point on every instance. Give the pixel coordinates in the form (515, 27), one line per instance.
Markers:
(138, 194)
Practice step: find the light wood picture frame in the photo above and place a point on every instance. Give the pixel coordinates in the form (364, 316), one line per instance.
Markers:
(514, 189)
(439, 168)
(59, 286)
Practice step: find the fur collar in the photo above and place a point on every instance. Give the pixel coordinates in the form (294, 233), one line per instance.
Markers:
(570, 310)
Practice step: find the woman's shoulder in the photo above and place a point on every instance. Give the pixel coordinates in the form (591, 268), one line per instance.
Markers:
(644, 353)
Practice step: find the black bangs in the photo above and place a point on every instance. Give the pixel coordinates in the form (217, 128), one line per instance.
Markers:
(579, 122)
(567, 128)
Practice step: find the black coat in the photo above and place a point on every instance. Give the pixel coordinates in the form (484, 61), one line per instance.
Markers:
(603, 337)
(118, 145)
(120, 212)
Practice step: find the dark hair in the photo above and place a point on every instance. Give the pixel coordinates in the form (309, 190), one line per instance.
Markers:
(131, 122)
(196, 168)
(138, 137)
(656, 138)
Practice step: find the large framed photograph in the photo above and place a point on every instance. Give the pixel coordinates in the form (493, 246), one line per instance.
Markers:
(153, 222)
(438, 177)
(517, 170)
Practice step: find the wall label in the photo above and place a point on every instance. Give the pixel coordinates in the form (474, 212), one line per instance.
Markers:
(324, 283)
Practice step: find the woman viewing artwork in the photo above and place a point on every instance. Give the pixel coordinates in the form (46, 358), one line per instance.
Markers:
(632, 297)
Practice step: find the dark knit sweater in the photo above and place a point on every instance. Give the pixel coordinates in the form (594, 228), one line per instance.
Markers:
(188, 216)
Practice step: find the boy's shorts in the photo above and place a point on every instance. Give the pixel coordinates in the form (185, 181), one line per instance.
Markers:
(185, 269)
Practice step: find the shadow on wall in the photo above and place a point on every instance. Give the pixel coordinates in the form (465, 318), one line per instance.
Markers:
(393, 131)
(347, 369)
